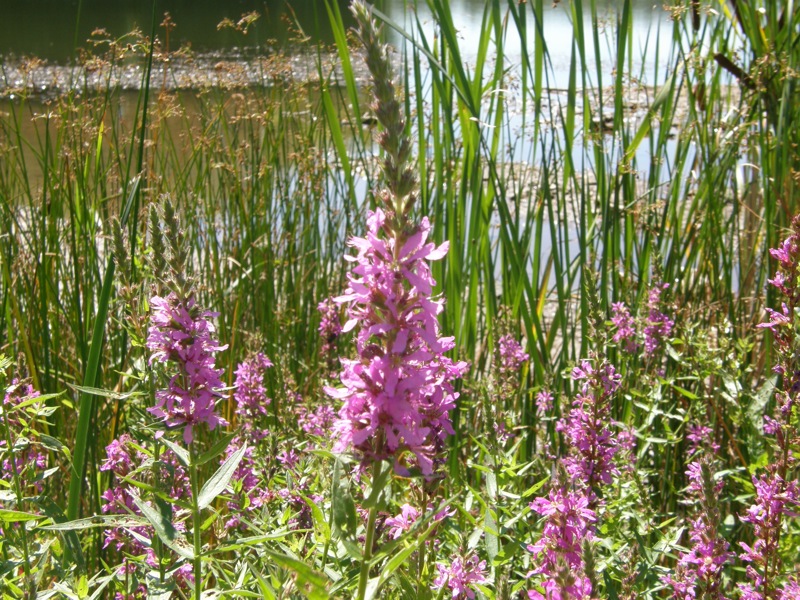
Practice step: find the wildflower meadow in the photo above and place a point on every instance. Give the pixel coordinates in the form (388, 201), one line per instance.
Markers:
(436, 319)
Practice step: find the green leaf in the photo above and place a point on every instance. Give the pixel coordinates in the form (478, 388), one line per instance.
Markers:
(396, 561)
(248, 542)
(164, 529)
(491, 485)
(310, 582)
(757, 407)
(17, 516)
(378, 492)
(684, 392)
(218, 448)
(104, 581)
(219, 480)
(97, 521)
(93, 391)
(181, 453)
(319, 519)
(50, 443)
(535, 487)
(160, 591)
(490, 529)
(342, 504)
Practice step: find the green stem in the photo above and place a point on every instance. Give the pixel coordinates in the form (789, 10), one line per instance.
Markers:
(18, 492)
(159, 544)
(421, 556)
(198, 575)
(370, 538)
(327, 544)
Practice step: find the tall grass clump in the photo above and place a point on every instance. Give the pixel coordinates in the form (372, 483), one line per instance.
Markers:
(484, 327)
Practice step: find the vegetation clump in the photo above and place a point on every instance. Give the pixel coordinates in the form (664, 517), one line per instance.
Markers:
(268, 342)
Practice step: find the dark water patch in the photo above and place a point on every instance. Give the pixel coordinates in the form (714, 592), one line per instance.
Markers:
(53, 29)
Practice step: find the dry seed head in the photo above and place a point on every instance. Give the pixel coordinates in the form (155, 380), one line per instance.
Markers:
(156, 241)
(398, 172)
(121, 257)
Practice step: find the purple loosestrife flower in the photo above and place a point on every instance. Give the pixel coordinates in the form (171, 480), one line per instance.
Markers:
(507, 363)
(777, 319)
(587, 427)
(461, 575)
(699, 571)
(317, 422)
(774, 499)
(777, 493)
(289, 459)
(511, 354)
(544, 402)
(782, 325)
(182, 333)
(791, 590)
(659, 325)
(26, 459)
(626, 327)
(569, 522)
(329, 329)
(251, 395)
(123, 459)
(403, 522)
(700, 438)
(398, 394)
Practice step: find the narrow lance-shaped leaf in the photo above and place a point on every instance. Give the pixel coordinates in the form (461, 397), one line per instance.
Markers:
(97, 521)
(164, 529)
(219, 480)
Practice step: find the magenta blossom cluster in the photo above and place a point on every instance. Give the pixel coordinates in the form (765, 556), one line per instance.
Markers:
(699, 570)
(777, 494)
(652, 330)
(123, 458)
(544, 402)
(782, 325)
(329, 329)
(460, 575)
(398, 394)
(775, 498)
(181, 333)
(251, 395)
(700, 438)
(625, 324)
(659, 325)
(511, 354)
(252, 490)
(587, 426)
(251, 406)
(25, 459)
(316, 422)
(403, 522)
(569, 523)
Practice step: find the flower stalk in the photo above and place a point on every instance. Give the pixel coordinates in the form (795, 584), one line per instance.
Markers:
(197, 562)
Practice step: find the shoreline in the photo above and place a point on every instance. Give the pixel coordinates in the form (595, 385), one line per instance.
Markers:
(38, 79)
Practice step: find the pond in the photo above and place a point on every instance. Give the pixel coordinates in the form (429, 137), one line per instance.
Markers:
(70, 23)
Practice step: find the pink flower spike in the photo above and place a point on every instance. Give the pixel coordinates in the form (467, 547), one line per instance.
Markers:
(182, 334)
(400, 385)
